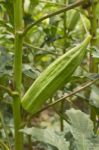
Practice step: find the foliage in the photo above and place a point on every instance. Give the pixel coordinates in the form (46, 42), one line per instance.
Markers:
(48, 136)
(80, 130)
(33, 34)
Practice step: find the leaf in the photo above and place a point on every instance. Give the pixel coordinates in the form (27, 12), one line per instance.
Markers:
(94, 98)
(48, 136)
(73, 18)
(31, 72)
(85, 23)
(5, 62)
(8, 4)
(82, 130)
(95, 53)
(33, 4)
(26, 5)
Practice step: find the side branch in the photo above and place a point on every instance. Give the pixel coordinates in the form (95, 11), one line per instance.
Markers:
(6, 89)
(71, 6)
(9, 91)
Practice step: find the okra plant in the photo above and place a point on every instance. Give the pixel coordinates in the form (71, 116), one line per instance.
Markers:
(48, 57)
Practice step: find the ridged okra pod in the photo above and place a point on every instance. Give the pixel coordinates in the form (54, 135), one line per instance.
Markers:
(54, 77)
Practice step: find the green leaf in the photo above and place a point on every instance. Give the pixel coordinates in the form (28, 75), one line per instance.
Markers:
(95, 53)
(82, 130)
(73, 18)
(48, 136)
(30, 71)
(94, 98)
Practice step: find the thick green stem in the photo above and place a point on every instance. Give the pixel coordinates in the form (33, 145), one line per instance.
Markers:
(17, 124)
(18, 14)
(18, 25)
(93, 66)
(18, 62)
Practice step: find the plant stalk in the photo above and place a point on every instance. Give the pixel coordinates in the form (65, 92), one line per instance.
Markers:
(64, 50)
(18, 26)
(93, 66)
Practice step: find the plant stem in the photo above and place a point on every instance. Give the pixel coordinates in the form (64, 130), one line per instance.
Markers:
(61, 118)
(18, 25)
(41, 49)
(30, 142)
(69, 7)
(18, 15)
(64, 50)
(2, 87)
(93, 66)
(93, 21)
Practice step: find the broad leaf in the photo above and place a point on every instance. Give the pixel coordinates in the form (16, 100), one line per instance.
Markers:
(82, 130)
(94, 96)
(48, 136)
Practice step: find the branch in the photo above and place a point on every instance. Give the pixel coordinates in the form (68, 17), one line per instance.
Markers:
(71, 6)
(41, 49)
(6, 89)
(9, 91)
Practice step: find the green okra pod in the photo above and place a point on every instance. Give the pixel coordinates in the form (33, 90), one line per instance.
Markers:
(54, 77)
